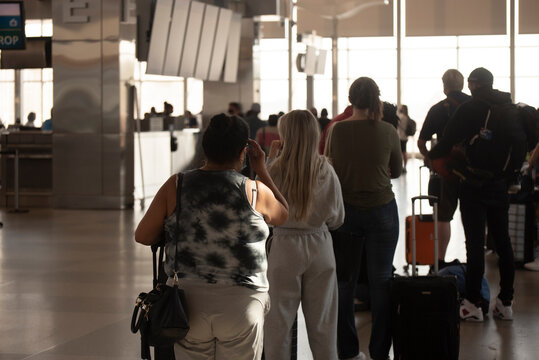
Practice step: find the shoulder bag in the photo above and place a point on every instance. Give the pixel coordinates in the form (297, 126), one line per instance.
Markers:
(161, 314)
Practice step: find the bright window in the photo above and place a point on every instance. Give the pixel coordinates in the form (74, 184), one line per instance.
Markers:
(273, 59)
(195, 95)
(7, 109)
(36, 84)
(154, 90)
(425, 59)
(527, 71)
(374, 57)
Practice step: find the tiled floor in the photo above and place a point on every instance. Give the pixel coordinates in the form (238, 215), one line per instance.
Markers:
(68, 280)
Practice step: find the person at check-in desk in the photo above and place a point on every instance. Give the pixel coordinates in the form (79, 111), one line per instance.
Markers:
(30, 119)
(168, 119)
(219, 251)
(47, 124)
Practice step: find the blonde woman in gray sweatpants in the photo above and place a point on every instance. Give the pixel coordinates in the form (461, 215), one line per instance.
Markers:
(301, 264)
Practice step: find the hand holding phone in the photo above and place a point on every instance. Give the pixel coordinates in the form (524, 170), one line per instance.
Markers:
(257, 156)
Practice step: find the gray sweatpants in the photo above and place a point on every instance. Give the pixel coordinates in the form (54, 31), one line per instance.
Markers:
(301, 267)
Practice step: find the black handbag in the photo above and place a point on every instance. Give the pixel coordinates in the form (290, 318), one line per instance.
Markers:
(161, 314)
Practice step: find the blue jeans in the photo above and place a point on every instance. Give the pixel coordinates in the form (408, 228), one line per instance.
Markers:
(376, 230)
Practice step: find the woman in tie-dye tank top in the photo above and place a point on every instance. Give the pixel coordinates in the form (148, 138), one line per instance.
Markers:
(218, 249)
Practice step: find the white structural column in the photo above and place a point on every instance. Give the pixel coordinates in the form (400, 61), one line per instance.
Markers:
(399, 27)
(291, 38)
(512, 35)
(335, 68)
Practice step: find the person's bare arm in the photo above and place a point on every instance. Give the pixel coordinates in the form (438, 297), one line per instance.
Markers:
(275, 212)
(271, 203)
(149, 229)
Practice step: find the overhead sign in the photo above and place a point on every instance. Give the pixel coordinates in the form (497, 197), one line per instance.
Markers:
(12, 26)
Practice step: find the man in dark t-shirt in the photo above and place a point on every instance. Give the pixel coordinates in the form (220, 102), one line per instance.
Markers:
(435, 122)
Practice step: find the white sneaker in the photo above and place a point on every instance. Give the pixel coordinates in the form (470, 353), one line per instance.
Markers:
(501, 311)
(360, 356)
(470, 312)
(533, 266)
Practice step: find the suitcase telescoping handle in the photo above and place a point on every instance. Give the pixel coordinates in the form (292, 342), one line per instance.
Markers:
(434, 199)
(420, 182)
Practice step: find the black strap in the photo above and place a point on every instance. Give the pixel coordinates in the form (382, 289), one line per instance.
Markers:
(135, 320)
(178, 211)
(155, 267)
(178, 200)
(145, 353)
(159, 246)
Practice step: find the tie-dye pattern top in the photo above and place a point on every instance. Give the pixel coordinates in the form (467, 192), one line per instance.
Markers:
(221, 238)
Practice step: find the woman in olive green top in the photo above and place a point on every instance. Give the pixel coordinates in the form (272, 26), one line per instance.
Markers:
(366, 154)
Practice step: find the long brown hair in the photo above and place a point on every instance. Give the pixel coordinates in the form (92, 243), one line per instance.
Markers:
(365, 94)
(297, 169)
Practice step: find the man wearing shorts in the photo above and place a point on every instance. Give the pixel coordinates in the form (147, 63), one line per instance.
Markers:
(435, 123)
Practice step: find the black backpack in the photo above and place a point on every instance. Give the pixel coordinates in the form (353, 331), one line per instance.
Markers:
(529, 118)
(499, 147)
(411, 128)
(389, 114)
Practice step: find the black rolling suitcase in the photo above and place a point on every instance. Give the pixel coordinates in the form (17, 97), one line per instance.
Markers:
(426, 323)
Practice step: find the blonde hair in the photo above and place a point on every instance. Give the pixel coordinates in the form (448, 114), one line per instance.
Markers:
(297, 169)
(453, 80)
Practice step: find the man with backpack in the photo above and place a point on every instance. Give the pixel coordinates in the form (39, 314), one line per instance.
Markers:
(435, 122)
(493, 140)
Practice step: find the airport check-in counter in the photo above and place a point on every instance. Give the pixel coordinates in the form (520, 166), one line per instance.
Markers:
(159, 162)
(34, 150)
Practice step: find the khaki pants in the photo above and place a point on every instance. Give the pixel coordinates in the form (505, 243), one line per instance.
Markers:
(226, 322)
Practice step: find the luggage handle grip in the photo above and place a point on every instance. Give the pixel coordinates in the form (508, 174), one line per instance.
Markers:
(421, 167)
(435, 217)
(425, 197)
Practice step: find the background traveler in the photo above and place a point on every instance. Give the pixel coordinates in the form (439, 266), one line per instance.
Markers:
(47, 124)
(323, 120)
(403, 131)
(301, 264)
(366, 154)
(495, 144)
(253, 120)
(435, 122)
(30, 119)
(267, 134)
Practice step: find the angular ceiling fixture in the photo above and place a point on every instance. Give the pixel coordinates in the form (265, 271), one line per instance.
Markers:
(194, 39)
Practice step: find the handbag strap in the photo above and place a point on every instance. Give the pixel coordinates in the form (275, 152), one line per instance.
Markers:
(155, 265)
(178, 211)
(158, 265)
(178, 200)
